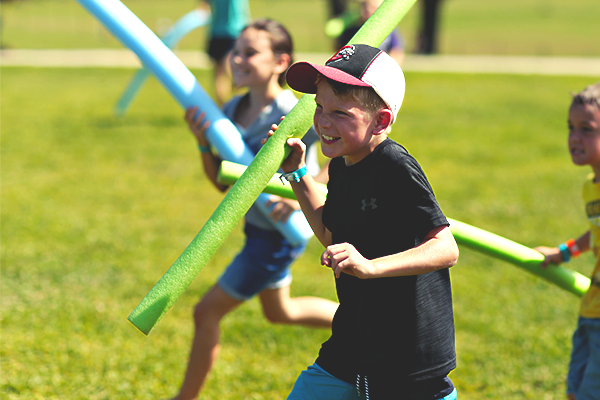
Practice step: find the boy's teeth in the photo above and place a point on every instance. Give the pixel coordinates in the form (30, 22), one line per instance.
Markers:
(328, 137)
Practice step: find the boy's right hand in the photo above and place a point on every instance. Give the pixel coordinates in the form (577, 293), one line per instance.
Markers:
(551, 255)
(295, 160)
(197, 125)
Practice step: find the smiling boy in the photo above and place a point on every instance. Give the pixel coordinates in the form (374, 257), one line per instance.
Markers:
(387, 240)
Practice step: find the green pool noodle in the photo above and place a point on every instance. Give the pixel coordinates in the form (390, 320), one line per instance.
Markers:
(229, 173)
(519, 255)
(466, 235)
(241, 196)
(335, 26)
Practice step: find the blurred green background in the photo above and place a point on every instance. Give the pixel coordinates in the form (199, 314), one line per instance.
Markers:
(94, 209)
(512, 27)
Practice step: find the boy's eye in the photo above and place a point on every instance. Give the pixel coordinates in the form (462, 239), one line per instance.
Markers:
(342, 113)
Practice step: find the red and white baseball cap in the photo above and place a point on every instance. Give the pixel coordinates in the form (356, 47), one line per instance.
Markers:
(358, 65)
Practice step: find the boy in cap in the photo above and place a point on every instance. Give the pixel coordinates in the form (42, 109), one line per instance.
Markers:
(387, 240)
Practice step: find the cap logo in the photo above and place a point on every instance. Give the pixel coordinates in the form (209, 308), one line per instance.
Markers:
(344, 53)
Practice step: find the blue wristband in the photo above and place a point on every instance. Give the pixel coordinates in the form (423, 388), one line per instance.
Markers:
(203, 149)
(564, 252)
(293, 176)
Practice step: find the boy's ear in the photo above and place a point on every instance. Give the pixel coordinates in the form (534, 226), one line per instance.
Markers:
(383, 120)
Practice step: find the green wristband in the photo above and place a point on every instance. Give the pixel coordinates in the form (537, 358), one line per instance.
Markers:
(203, 149)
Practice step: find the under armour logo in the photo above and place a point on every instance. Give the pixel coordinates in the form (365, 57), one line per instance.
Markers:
(371, 204)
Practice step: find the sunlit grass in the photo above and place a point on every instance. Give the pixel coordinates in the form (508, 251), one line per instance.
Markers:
(95, 209)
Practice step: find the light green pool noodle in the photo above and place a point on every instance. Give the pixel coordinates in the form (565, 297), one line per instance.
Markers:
(467, 235)
(241, 196)
(519, 255)
(230, 172)
(335, 26)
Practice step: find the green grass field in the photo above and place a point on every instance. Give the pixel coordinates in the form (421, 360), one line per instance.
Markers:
(530, 27)
(95, 209)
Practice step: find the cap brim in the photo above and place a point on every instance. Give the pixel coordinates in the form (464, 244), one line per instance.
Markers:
(302, 76)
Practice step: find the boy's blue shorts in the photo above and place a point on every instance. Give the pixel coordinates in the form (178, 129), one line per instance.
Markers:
(264, 263)
(583, 379)
(316, 384)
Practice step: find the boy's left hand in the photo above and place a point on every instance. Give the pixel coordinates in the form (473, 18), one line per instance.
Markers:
(344, 257)
(295, 160)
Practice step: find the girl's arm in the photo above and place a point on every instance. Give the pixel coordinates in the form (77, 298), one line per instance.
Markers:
(210, 162)
(438, 251)
(552, 254)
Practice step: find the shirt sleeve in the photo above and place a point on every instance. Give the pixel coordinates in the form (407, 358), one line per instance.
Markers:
(422, 208)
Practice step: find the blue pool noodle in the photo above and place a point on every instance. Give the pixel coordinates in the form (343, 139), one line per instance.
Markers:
(184, 87)
(190, 21)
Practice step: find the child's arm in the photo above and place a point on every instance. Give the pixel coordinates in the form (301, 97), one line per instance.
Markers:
(552, 255)
(282, 208)
(308, 195)
(323, 175)
(438, 250)
(311, 202)
(198, 128)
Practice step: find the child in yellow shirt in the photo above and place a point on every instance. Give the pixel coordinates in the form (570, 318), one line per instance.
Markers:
(583, 380)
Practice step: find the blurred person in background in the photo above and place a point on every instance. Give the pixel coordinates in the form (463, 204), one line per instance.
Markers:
(228, 18)
(427, 36)
(393, 44)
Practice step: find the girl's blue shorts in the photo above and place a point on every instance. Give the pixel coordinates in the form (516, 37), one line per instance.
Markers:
(263, 263)
(583, 379)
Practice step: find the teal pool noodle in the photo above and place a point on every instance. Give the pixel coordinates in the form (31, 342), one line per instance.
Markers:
(190, 21)
(131, 91)
(184, 25)
(250, 185)
(181, 83)
(467, 235)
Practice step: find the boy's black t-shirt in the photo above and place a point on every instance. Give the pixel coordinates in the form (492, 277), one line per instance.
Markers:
(398, 332)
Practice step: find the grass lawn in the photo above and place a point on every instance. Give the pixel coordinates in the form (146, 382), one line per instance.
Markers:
(95, 209)
(514, 27)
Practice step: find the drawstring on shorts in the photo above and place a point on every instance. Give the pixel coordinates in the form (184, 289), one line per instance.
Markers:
(366, 386)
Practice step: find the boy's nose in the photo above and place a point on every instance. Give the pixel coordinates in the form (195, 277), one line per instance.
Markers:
(324, 121)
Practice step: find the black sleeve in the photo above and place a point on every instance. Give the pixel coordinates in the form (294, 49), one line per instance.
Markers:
(421, 207)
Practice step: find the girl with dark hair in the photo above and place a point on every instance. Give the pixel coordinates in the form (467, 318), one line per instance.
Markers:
(260, 57)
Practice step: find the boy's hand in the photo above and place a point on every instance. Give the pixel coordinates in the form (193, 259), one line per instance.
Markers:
(282, 208)
(551, 255)
(344, 257)
(295, 160)
(197, 125)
